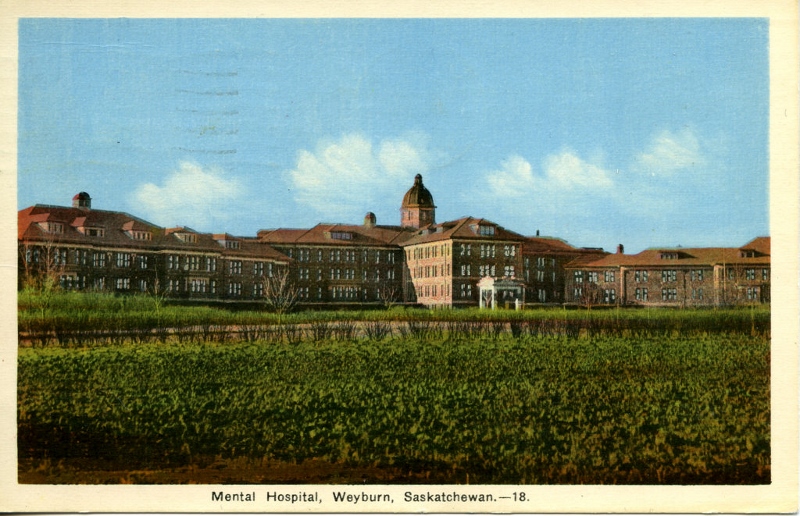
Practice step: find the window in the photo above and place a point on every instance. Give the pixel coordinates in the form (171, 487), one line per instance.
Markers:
(194, 263)
(669, 256)
(487, 251)
(577, 293)
(731, 274)
(189, 238)
(235, 267)
(466, 290)
(750, 274)
(231, 244)
(540, 276)
(198, 285)
(211, 264)
(591, 277)
(608, 276)
(669, 276)
(99, 283)
(641, 294)
(752, 293)
(669, 294)
(319, 255)
(269, 270)
(302, 293)
(142, 260)
(764, 274)
(174, 285)
(302, 274)
(143, 285)
(341, 235)
(234, 289)
(465, 270)
(59, 256)
(541, 295)
(123, 259)
(540, 262)
(98, 259)
(640, 276)
(173, 262)
(142, 235)
(466, 249)
(486, 230)
(303, 255)
(610, 295)
(508, 271)
(697, 293)
(258, 289)
(578, 276)
(94, 232)
(510, 250)
(258, 269)
(123, 284)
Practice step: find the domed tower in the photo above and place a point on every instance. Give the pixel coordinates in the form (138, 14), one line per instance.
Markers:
(417, 209)
(82, 200)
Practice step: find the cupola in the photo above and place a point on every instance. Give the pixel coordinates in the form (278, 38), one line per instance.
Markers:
(82, 200)
(417, 209)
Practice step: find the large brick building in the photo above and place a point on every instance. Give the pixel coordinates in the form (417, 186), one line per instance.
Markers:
(418, 261)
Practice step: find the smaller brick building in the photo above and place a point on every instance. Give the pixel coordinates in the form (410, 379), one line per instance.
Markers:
(704, 276)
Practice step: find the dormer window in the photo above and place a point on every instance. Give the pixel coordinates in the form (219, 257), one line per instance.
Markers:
(52, 227)
(484, 229)
(189, 238)
(341, 235)
(140, 235)
(668, 256)
(747, 254)
(94, 232)
(231, 244)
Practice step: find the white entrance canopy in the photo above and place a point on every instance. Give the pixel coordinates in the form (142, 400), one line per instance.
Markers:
(505, 291)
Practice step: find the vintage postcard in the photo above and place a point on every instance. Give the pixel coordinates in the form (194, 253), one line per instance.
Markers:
(420, 259)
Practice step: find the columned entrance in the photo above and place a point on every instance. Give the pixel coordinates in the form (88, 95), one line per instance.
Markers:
(504, 292)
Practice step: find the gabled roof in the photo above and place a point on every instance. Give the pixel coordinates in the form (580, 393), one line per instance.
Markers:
(330, 234)
(686, 256)
(552, 245)
(466, 228)
(116, 227)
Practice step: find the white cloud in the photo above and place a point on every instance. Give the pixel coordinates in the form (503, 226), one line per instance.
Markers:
(190, 195)
(566, 170)
(669, 153)
(562, 173)
(347, 177)
(514, 179)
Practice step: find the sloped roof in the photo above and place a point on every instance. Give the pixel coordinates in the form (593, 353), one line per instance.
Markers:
(323, 234)
(116, 226)
(552, 245)
(687, 256)
(465, 228)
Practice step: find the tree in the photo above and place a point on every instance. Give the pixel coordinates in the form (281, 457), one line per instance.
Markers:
(280, 294)
(389, 294)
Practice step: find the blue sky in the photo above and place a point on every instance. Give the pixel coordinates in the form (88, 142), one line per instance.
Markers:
(646, 132)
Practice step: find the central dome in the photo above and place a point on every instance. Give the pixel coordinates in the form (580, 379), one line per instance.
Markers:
(418, 196)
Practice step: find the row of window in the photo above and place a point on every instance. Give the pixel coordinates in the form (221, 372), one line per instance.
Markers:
(435, 290)
(340, 255)
(435, 271)
(541, 262)
(430, 251)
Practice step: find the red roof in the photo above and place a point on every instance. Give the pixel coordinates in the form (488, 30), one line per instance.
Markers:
(116, 233)
(338, 235)
(467, 228)
(683, 256)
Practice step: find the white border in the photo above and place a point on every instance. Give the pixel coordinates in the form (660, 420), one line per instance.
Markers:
(780, 496)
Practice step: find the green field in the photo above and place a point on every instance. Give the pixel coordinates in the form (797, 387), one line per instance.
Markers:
(447, 397)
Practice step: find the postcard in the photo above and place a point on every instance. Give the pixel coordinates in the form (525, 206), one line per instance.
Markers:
(276, 259)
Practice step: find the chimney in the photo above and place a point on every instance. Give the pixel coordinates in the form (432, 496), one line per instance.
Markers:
(537, 232)
(370, 220)
(620, 249)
